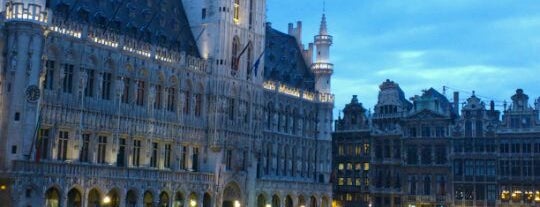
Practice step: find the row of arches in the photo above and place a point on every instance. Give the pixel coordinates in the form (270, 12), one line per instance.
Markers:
(114, 198)
(289, 201)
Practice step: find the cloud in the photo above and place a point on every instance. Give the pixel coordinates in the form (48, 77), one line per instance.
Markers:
(490, 47)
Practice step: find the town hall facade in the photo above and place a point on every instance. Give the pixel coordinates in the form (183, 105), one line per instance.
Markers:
(161, 103)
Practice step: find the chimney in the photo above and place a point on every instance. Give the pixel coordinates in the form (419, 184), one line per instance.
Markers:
(291, 29)
(492, 105)
(299, 32)
(309, 57)
(456, 102)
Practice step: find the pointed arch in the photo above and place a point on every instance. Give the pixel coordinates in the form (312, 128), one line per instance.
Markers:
(52, 197)
(235, 61)
(301, 200)
(288, 201)
(313, 201)
(74, 198)
(207, 200)
(114, 198)
(179, 199)
(164, 199)
(148, 199)
(94, 198)
(131, 198)
(325, 202)
(232, 194)
(276, 201)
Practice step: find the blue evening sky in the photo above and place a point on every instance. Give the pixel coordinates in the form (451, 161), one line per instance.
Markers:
(492, 47)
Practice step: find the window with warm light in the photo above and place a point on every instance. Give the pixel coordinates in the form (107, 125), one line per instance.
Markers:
(236, 14)
(341, 166)
(341, 181)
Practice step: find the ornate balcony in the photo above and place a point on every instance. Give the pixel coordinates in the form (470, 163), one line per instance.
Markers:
(16, 11)
(323, 39)
(323, 67)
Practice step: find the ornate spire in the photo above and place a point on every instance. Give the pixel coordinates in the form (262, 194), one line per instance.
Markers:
(324, 29)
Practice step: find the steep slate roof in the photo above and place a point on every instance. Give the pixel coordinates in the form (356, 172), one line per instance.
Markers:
(159, 22)
(284, 61)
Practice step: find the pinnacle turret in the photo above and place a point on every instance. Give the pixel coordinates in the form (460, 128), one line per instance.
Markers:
(322, 67)
(324, 29)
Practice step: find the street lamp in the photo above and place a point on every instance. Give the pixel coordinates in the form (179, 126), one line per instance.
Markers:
(236, 203)
(193, 203)
(106, 200)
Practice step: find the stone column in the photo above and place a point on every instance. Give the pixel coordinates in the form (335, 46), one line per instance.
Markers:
(200, 199)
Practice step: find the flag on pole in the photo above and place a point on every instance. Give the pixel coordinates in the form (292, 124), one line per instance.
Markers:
(244, 50)
(37, 138)
(256, 65)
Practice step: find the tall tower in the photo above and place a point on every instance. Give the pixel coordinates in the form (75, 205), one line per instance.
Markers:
(230, 34)
(322, 67)
(20, 77)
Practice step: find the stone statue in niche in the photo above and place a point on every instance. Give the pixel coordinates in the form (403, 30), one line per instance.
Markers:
(82, 81)
(152, 96)
(120, 85)
(99, 82)
(13, 62)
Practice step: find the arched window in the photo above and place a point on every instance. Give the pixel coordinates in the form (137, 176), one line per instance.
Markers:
(235, 61)
(270, 115)
(249, 66)
(171, 99)
(427, 185)
(285, 160)
(52, 198)
(293, 158)
(236, 14)
(198, 104)
(268, 159)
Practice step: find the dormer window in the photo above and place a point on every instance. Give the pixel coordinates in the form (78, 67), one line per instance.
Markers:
(236, 11)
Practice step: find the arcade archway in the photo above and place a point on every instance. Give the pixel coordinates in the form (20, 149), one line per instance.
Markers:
(232, 196)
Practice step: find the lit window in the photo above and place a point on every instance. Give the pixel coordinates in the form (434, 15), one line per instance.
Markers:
(341, 166)
(340, 150)
(349, 181)
(348, 197)
(366, 166)
(349, 166)
(236, 14)
(358, 182)
(357, 166)
(341, 181)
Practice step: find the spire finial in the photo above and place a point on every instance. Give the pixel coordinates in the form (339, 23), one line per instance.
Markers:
(323, 30)
(324, 6)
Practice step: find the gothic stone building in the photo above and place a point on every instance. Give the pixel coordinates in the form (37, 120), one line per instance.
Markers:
(161, 103)
(426, 153)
